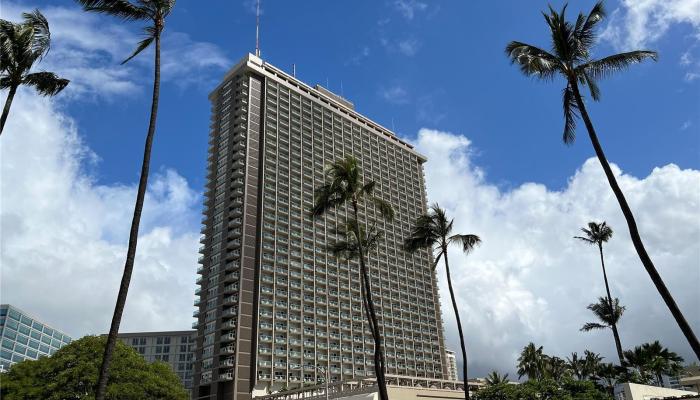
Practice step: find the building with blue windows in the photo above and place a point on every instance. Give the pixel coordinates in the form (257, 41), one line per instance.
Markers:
(23, 337)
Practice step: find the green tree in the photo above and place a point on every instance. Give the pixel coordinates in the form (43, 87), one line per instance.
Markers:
(154, 11)
(71, 373)
(656, 360)
(433, 230)
(597, 234)
(571, 59)
(531, 362)
(344, 186)
(545, 389)
(608, 312)
(21, 46)
(495, 378)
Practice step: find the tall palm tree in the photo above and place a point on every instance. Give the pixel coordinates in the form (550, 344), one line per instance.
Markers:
(155, 12)
(597, 234)
(577, 366)
(345, 186)
(495, 378)
(571, 59)
(21, 46)
(433, 230)
(531, 362)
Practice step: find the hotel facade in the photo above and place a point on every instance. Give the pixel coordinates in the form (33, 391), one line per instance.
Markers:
(276, 310)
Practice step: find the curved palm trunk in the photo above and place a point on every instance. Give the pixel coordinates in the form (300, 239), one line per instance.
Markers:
(459, 324)
(369, 308)
(634, 232)
(613, 326)
(6, 109)
(133, 235)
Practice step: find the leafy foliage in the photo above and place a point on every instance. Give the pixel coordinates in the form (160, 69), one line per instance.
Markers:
(71, 373)
(495, 378)
(546, 389)
(651, 360)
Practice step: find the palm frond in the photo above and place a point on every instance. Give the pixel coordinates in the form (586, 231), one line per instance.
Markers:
(532, 60)
(592, 86)
(143, 44)
(437, 259)
(384, 207)
(585, 32)
(46, 83)
(571, 112)
(607, 66)
(42, 35)
(123, 9)
(468, 241)
(423, 235)
(591, 326)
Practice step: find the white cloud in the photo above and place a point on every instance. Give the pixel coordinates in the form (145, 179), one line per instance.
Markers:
(409, 8)
(408, 47)
(396, 94)
(531, 281)
(640, 23)
(64, 235)
(88, 49)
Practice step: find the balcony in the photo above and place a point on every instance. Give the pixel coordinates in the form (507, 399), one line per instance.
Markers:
(228, 362)
(228, 337)
(230, 324)
(230, 349)
(226, 376)
(230, 300)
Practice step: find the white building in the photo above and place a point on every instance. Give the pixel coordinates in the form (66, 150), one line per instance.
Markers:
(633, 391)
(451, 365)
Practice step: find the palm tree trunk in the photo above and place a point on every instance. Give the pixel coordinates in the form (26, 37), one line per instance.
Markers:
(632, 226)
(459, 324)
(374, 325)
(133, 234)
(6, 109)
(613, 326)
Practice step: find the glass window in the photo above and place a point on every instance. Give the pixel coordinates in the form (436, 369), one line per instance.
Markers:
(36, 335)
(46, 339)
(34, 344)
(17, 358)
(10, 334)
(48, 331)
(44, 348)
(32, 354)
(6, 354)
(26, 320)
(14, 314)
(22, 339)
(12, 324)
(3, 311)
(24, 329)
(20, 349)
(37, 326)
(8, 344)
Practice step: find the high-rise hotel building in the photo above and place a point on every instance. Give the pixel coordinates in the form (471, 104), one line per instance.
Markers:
(275, 309)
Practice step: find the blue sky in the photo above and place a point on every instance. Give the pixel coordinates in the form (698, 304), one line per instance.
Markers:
(438, 64)
(434, 70)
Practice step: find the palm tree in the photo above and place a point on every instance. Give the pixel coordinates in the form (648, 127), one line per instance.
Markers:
(661, 361)
(433, 229)
(22, 45)
(495, 378)
(154, 11)
(345, 185)
(597, 234)
(608, 311)
(531, 362)
(571, 59)
(577, 366)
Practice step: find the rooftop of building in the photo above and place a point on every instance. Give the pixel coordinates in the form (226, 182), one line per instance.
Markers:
(318, 92)
(33, 317)
(158, 333)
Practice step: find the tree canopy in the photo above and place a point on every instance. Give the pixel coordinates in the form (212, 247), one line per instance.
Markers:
(71, 373)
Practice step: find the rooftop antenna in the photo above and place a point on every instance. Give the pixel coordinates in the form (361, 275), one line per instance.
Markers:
(393, 129)
(341, 89)
(294, 70)
(257, 28)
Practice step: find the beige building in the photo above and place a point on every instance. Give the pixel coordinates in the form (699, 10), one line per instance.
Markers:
(451, 365)
(275, 309)
(633, 391)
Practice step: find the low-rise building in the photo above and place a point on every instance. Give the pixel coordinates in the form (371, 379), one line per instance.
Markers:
(173, 347)
(634, 391)
(25, 337)
(451, 365)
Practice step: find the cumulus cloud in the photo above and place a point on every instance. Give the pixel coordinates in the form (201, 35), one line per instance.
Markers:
(531, 281)
(88, 49)
(64, 235)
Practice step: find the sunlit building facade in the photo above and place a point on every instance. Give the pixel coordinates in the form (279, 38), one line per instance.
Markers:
(275, 309)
